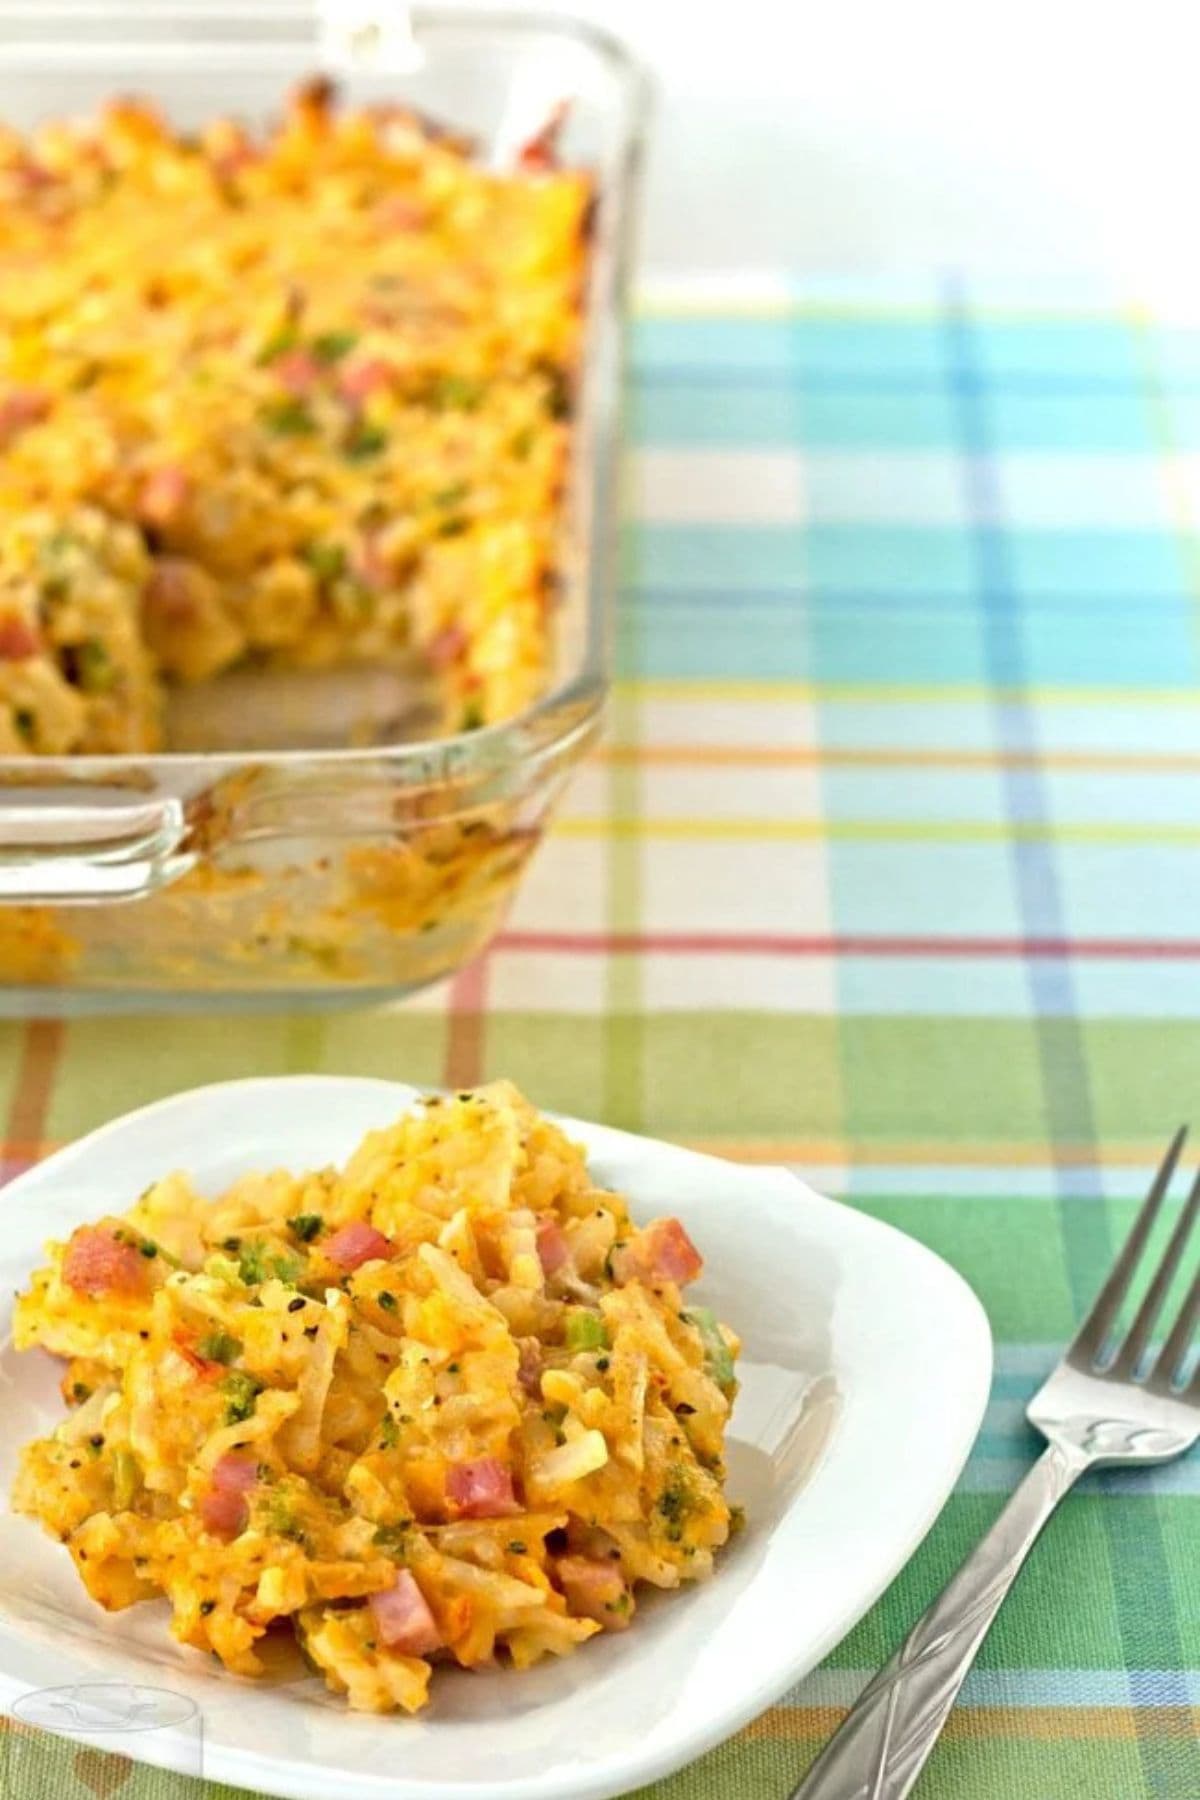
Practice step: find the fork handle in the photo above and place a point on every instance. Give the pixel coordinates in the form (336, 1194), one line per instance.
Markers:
(885, 1741)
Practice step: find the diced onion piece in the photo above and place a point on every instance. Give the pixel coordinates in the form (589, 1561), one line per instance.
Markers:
(281, 1590)
(560, 1388)
(581, 1456)
(525, 1272)
(89, 1418)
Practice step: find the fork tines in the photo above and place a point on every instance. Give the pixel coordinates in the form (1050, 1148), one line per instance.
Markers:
(1166, 1371)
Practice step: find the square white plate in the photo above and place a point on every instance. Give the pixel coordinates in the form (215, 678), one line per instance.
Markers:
(865, 1371)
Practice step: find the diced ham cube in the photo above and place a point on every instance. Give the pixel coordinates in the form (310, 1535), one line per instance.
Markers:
(662, 1252)
(229, 162)
(369, 565)
(673, 1254)
(163, 496)
(356, 1244)
(481, 1490)
(595, 1590)
(540, 152)
(223, 1506)
(402, 213)
(33, 176)
(234, 1474)
(403, 1618)
(298, 370)
(446, 646)
(552, 1246)
(171, 590)
(18, 638)
(536, 157)
(364, 376)
(229, 148)
(223, 1513)
(21, 407)
(98, 1263)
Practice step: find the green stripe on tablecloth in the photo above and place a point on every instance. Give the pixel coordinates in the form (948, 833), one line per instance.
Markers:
(624, 1042)
(720, 1074)
(1065, 1610)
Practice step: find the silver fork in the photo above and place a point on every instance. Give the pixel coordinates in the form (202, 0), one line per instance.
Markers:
(1100, 1406)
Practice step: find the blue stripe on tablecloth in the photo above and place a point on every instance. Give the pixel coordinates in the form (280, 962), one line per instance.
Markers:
(1128, 567)
(832, 644)
(813, 594)
(986, 1474)
(877, 419)
(1025, 1687)
(1062, 1051)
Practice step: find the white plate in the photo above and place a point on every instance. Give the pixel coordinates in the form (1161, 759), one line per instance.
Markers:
(865, 1372)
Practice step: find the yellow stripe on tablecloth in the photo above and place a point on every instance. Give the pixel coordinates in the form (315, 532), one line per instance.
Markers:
(729, 303)
(917, 831)
(874, 694)
(837, 756)
(971, 1723)
(931, 1152)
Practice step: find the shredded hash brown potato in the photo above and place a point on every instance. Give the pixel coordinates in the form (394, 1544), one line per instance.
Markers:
(298, 399)
(445, 1402)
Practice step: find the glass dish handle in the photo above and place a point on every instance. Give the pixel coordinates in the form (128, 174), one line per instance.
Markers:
(367, 34)
(70, 853)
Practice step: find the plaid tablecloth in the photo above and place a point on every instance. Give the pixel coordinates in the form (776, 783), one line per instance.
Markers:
(890, 869)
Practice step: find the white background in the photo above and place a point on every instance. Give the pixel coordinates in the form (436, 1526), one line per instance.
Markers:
(1011, 135)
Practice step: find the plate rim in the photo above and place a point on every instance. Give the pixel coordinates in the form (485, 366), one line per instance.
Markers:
(605, 1780)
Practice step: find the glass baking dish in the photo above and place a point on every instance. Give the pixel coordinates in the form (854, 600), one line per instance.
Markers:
(256, 873)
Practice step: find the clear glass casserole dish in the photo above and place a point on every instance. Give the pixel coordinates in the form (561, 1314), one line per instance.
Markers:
(287, 866)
